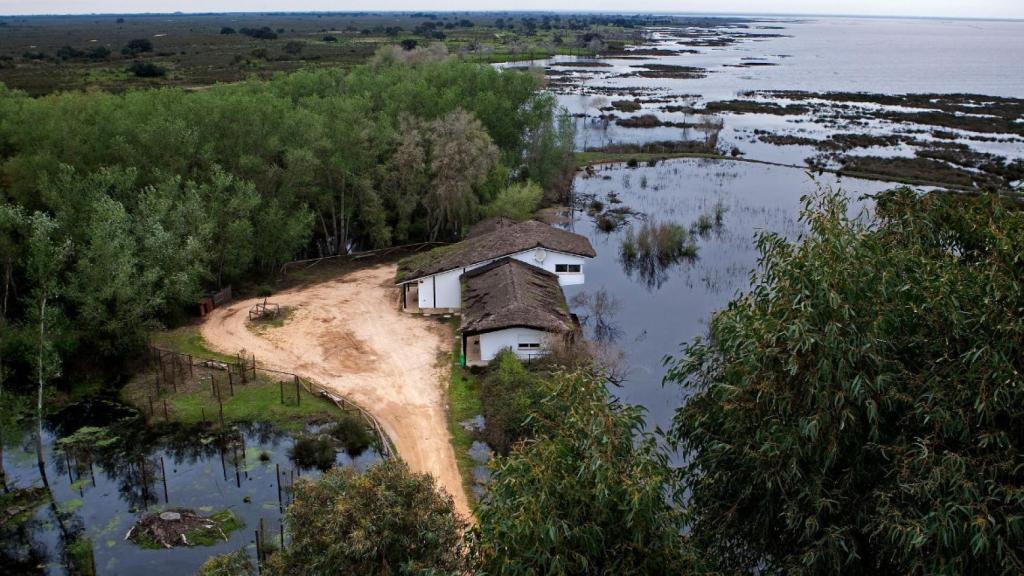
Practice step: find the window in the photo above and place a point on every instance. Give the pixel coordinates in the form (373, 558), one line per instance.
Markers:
(529, 345)
(568, 268)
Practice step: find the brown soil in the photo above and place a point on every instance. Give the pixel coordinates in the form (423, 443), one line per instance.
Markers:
(347, 334)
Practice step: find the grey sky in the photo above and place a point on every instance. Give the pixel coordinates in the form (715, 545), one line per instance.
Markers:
(931, 8)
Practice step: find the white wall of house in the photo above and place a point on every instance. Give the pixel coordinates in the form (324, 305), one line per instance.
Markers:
(525, 342)
(551, 261)
(448, 287)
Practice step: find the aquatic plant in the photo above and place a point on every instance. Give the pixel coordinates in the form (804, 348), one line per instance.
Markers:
(235, 563)
(652, 249)
(352, 433)
(313, 452)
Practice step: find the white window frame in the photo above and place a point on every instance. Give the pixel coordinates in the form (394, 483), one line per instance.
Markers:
(569, 268)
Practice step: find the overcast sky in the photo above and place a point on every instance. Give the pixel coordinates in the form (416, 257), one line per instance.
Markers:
(932, 8)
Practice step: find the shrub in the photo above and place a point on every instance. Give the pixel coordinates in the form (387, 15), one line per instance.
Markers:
(329, 38)
(591, 494)
(146, 69)
(98, 53)
(227, 30)
(264, 33)
(518, 201)
(387, 520)
(232, 564)
(313, 452)
(508, 393)
(409, 44)
(352, 432)
(68, 53)
(294, 47)
(137, 46)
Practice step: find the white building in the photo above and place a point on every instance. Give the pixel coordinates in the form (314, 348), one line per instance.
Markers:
(513, 305)
(431, 282)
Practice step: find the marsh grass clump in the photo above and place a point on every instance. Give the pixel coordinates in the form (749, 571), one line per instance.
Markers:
(235, 563)
(596, 206)
(352, 433)
(655, 247)
(703, 225)
(313, 452)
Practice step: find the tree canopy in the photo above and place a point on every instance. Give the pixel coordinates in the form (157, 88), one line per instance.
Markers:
(162, 194)
(387, 520)
(590, 493)
(860, 410)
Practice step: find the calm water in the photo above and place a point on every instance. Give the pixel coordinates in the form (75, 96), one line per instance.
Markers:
(204, 472)
(655, 315)
(890, 56)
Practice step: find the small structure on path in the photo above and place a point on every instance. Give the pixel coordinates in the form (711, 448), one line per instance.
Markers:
(509, 304)
(264, 311)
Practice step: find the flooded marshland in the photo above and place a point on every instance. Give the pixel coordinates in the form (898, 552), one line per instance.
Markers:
(854, 94)
(124, 469)
(647, 312)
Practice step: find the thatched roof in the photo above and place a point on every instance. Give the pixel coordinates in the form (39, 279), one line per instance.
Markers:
(488, 225)
(503, 240)
(508, 293)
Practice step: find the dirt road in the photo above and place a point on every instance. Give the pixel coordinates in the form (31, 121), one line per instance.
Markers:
(348, 334)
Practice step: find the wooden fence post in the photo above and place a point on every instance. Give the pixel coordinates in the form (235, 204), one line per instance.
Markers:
(298, 397)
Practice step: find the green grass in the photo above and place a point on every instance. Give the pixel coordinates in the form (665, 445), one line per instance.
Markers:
(79, 553)
(187, 340)
(224, 519)
(463, 404)
(584, 159)
(20, 503)
(255, 401)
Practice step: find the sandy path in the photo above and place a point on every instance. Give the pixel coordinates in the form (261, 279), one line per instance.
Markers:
(348, 334)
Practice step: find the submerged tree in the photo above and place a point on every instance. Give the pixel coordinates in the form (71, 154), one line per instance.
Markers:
(861, 410)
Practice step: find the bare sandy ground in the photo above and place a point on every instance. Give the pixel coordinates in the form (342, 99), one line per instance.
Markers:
(348, 334)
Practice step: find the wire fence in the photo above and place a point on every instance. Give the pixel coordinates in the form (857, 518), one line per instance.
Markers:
(174, 369)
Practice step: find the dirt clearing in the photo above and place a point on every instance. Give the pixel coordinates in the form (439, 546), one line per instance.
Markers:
(348, 334)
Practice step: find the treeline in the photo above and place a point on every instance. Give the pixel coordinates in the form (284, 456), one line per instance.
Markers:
(144, 200)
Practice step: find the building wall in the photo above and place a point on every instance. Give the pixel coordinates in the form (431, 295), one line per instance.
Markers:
(493, 342)
(448, 285)
(548, 260)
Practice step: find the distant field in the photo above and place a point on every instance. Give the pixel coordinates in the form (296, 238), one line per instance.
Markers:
(43, 54)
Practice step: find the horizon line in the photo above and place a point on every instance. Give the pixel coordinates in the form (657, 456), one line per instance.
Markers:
(722, 14)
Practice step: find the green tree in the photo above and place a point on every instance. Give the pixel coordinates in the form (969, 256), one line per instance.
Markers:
(461, 157)
(860, 410)
(384, 521)
(592, 493)
(46, 255)
(518, 201)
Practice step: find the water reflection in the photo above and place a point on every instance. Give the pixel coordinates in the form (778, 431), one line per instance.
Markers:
(105, 468)
(658, 307)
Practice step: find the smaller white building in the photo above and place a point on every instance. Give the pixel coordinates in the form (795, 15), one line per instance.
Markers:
(431, 282)
(513, 305)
